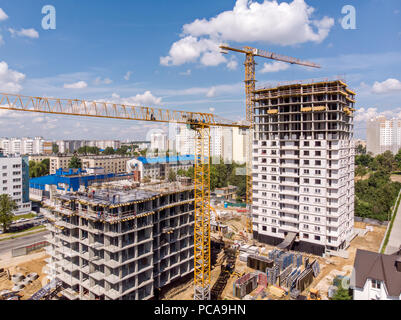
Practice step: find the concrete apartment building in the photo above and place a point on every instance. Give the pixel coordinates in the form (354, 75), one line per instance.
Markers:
(120, 242)
(25, 146)
(303, 166)
(70, 146)
(383, 135)
(14, 181)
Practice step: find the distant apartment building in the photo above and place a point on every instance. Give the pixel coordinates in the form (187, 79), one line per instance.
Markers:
(303, 166)
(14, 181)
(70, 146)
(120, 243)
(159, 141)
(111, 164)
(383, 135)
(25, 146)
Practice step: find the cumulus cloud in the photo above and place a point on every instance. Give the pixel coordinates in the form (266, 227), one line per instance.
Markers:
(388, 86)
(232, 64)
(3, 15)
(366, 114)
(249, 21)
(211, 93)
(30, 33)
(145, 99)
(274, 67)
(10, 80)
(76, 85)
(186, 73)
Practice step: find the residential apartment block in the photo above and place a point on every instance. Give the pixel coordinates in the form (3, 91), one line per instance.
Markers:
(25, 146)
(303, 166)
(70, 146)
(14, 181)
(383, 135)
(119, 242)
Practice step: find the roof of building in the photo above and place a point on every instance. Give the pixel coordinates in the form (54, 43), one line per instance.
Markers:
(170, 159)
(377, 266)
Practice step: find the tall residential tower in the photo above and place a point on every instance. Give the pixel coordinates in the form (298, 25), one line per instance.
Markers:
(303, 166)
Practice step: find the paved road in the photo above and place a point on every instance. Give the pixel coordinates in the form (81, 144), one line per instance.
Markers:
(7, 245)
(394, 242)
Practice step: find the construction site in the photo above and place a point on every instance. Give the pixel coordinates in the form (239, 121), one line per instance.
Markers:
(126, 240)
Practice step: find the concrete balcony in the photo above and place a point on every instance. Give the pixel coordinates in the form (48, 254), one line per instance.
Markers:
(289, 192)
(288, 228)
(289, 210)
(289, 183)
(289, 219)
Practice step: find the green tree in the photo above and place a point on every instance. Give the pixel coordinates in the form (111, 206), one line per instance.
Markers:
(387, 161)
(172, 176)
(360, 171)
(7, 208)
(55, 148)
(109, 151)
(75, 163)
(397, 159)
(342, 294)
(144, 152)
(363, 160)
(38, 169)
(123, 151)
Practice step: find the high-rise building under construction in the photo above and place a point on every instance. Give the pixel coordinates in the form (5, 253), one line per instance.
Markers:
(303, 166)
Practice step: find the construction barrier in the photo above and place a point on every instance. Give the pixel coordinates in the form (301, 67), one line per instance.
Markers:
(22, 251)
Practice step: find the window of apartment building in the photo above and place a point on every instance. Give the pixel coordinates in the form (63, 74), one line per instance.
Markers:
(274, 152)
(306, 208)
(264, 194)
(317, 219)
(317, 191)
(376, 284)
(306, 190)
(4, 167)
(274, 143)
(4, 181)
(306, 218)
(274, 230)
(264, 202)
(5, 189)
(306, 236)
(306, 226)
(264, 177)
(306, 199)
(306, 153)
(317, 238)
(318, 172)
(274, 212)
(264, 211)
(306, 144)
(5, 174)
(318, 163)
(274, 161)
(317, 200)
(306, 171)
(264, 144)
(306, 180)
(274, 178)
(17, 187)
(264, 228)
(318, 144)
(274, 195)
(274, 169)
(274, 204)
(318, 181)
(318, 153)
(274, 221)
(306, 162)
(274, 187)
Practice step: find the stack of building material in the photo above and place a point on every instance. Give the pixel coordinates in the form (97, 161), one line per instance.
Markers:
(315, 267)
(285, 260)
(298, 260)
(304, 280)
(244, 257)
(245, 285)
(283, 275)
(259, 263)
(272, 274)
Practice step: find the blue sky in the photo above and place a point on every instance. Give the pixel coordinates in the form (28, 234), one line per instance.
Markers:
(157, 53)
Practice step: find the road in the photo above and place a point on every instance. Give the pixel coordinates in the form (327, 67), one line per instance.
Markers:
(8, 245)
(394, 242)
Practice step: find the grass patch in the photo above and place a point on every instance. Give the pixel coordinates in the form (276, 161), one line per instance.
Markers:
(391, 226)
(14, 235)
(24, 216)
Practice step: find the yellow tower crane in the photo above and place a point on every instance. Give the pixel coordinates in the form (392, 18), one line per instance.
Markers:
(200, 122)
(250, 86)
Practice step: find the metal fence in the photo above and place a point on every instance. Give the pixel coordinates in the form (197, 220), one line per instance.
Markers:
(21, 251)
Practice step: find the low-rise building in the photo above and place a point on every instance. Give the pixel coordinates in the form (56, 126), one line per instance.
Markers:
(111, 164)
(376, 276)
(158, 168)
(226, 193)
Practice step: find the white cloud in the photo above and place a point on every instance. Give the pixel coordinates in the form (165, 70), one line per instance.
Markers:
(364, 115)
(232, 64)
(3, 15)
(30, 33)
(10, 80)
(211, 93)
(99, 81)
(249, 21)
(145, 99)
(274, 67)
(1, 40)
(76, 85)
(128, 75)
(388, 86)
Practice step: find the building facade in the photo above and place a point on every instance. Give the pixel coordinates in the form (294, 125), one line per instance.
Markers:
(25, 146)
(383, 135)
(121, 245)
(14, 181)
(303, 166)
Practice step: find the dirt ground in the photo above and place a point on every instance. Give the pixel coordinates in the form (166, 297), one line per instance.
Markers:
(396, 178)
(34, 262)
